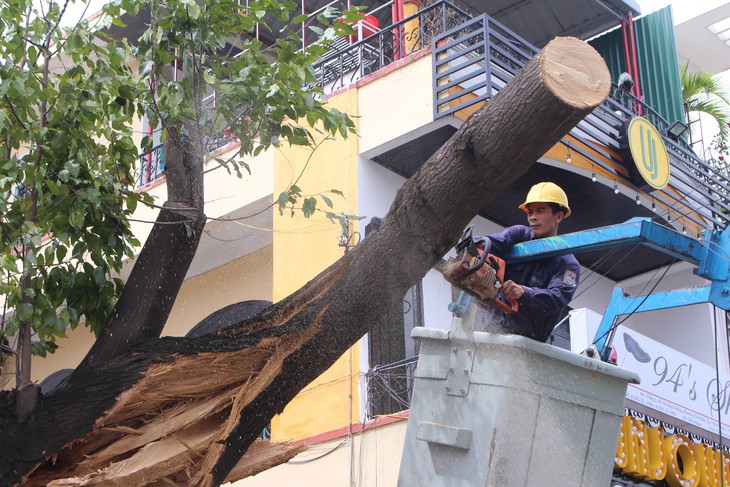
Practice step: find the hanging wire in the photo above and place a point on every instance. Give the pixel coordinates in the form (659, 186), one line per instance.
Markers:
(583, 288)
(616, 325)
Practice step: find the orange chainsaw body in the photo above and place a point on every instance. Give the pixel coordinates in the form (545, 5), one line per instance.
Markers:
(482, 277)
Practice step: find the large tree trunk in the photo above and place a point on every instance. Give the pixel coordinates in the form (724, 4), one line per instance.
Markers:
(217, 392)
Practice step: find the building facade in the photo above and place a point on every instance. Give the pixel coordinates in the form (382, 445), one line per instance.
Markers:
(410, 78)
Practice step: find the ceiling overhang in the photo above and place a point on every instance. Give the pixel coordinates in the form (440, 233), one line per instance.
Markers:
(703, 49)
(538, 21)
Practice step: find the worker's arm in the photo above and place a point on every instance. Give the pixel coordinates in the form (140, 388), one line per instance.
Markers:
(562, 280)
(500, 243)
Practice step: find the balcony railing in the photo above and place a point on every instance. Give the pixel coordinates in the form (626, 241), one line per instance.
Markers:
(390, 387)
(151, 166)
(367, 52)
(474, 61)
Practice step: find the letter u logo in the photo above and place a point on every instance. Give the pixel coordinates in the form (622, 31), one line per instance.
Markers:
(648, 153)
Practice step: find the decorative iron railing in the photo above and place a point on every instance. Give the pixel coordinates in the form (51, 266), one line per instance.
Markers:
(366, 52)
(151, 166)
(390, 387)
(474, 61)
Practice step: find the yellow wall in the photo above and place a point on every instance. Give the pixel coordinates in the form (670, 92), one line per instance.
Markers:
(244, 279)
(70, 352)
(382, 101)
(302, 249)
(198, 297)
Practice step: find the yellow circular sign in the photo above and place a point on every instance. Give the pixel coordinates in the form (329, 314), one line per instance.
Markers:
(649, 152)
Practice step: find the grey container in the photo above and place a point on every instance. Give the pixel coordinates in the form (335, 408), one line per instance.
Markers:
(507, 411)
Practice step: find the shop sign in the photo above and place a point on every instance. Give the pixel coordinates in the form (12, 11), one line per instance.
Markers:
(651, 453)
(648, 152)
(673, 383)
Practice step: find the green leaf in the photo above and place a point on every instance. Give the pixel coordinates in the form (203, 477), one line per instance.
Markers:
(61, 253)
(132, 203)
(326, 200)
(9, 262)
(309, 206)
(52, 187)
(24, 311)
(282, 201)
(100, 276)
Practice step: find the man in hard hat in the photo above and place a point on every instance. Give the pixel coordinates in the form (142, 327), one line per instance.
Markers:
(543, 288)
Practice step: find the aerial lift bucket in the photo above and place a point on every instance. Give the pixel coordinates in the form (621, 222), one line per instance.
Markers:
(504, 410)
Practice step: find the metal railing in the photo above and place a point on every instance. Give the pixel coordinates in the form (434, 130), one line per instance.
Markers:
(390, 387)
(151, 166)
(475, 60)
(350, 61)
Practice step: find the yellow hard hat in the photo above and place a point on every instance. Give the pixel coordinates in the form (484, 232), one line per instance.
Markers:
(547, 193)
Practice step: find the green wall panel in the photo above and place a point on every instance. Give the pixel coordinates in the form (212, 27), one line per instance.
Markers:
(658, 65)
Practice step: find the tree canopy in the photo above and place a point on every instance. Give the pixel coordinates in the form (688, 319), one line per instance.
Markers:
(70, 97)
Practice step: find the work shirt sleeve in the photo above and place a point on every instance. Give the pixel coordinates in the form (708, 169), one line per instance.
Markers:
(549, 285)
(561, 280)
(504, 240)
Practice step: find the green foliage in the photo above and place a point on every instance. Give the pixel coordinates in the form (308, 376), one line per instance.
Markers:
(261, 92)
(289, 199)
(66, 150)
(701, 92)
(68, 97)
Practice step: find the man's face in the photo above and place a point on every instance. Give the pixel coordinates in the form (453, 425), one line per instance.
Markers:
(542, 220)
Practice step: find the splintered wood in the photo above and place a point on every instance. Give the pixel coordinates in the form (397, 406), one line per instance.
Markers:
(161, 429)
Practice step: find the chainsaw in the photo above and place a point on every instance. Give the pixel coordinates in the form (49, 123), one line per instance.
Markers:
(478, 272)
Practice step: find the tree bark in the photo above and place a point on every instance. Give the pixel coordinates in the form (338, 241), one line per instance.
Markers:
(261, 364)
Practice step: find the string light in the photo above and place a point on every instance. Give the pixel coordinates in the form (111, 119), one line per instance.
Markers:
(638, 200)
(684, 230)
(653, 205)
(593, 177)
(568, 159)
(669, 218)
(615, 187)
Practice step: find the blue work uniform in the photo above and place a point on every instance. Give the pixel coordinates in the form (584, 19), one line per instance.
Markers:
(549, 285)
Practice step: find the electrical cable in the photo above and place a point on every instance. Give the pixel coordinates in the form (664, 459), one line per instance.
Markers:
(616, 325)
(592, 270)
(307, 460)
